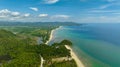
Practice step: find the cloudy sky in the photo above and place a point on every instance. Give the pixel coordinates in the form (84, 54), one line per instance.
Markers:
(60, 10)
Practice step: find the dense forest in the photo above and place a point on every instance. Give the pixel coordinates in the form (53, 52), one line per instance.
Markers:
(34, 24)
(18, 47)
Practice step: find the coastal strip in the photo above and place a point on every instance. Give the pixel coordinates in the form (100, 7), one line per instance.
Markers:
(74, 56)
(51, 35)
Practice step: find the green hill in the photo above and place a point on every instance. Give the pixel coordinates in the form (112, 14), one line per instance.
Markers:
(4, 33)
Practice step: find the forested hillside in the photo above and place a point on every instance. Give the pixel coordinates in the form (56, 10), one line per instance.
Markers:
(16, 52)
(43, 24)
(19, 47)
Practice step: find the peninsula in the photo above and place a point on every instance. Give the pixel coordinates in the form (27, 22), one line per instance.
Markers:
(18, 44)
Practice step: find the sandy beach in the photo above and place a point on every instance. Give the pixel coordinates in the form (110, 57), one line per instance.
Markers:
(74, 56)
(51, 35)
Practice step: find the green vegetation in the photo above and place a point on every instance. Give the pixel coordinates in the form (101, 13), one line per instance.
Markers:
(63, 64)
(17, 52)
(43, 32)
(38, 24)
(66, 42)
(49, 52)
(56, 50)
(18, 47)
(4, 33)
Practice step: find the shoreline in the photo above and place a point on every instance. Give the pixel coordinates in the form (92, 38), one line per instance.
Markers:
(50, 38)
(75, 57)
(51, 35)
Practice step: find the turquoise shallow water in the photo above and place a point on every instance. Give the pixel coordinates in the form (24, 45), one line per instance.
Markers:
(98, 45)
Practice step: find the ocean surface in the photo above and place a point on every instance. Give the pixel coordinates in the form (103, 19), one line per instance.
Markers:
(97, 45)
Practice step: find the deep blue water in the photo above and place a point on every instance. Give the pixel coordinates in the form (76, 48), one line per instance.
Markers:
(99, 41)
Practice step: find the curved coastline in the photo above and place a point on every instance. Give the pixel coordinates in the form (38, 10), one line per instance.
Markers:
(73, 55)
(51, 35)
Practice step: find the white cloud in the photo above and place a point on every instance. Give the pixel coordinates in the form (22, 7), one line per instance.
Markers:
(102, 11)
(43, 15)
(111, 3)
(2, 16)
(14, 18)
(5, 11)
(15, 14)
(105, 6)
(7, 15)
(61, 16)
(34, 8)
(27, 15)
(50, 1)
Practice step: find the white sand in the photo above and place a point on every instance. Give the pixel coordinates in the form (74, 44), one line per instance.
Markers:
(74, 56)
(51, 35)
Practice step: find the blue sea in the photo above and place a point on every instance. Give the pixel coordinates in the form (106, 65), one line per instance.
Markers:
(96, 44)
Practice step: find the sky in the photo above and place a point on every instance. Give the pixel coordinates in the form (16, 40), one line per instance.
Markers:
(81, 11)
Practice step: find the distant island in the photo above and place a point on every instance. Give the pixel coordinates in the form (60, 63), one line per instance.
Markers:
(19, 46)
